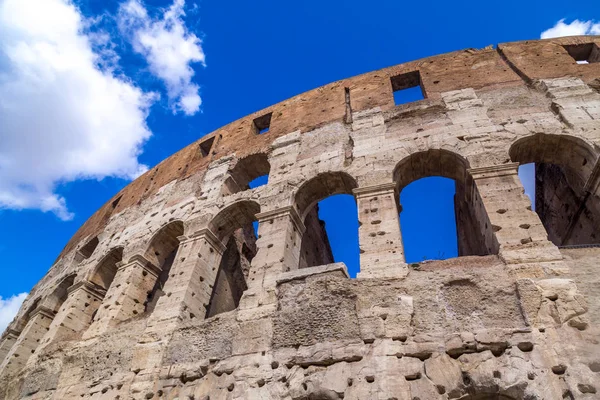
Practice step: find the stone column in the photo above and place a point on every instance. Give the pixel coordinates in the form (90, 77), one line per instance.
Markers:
(278, 250)
(519, 231)
(7, 342)
(28, 341)
(379, 236)
(278, 245)
(193, 274)
(76, 313)
(126, 296)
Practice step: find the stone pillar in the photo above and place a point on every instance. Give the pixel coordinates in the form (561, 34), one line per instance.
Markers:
(379, 236)
(28, 341)
(193, 274)
(519, 231)
(126, 296)
(278, 246)
(7, 342)
(76, 313)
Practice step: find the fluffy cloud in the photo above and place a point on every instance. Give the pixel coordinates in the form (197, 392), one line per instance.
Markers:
(63, 115)
(168, 47)
(573, 29)
(9, 308)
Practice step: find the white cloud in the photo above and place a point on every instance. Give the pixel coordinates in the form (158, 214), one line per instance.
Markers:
(168, 47)
(62, 115)
(9, 308)
(573, 29)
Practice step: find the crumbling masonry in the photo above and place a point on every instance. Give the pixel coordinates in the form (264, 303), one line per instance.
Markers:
(166, 293)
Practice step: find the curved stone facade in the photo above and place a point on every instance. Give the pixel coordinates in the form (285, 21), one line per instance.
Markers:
(166, 293)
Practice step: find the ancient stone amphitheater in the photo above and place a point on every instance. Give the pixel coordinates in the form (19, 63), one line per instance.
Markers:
(166, 293)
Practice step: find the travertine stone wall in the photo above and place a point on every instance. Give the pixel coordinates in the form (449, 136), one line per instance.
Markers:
(144, 301)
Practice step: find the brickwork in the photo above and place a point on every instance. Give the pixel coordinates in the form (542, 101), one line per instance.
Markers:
(144, 301)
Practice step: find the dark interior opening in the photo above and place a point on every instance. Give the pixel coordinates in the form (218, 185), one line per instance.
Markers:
(262, 124)
(407, 88)
(206, 145)
(585, 53)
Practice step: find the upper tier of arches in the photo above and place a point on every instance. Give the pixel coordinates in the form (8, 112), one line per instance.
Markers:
(508, 64)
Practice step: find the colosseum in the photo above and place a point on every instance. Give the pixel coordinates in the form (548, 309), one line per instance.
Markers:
(167, 293)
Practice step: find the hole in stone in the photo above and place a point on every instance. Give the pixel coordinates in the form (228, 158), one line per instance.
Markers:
(205, 146)
(525, 346)
(262, 124)
(559, 369)
(407, 88)
(413, 377)
(370, 378)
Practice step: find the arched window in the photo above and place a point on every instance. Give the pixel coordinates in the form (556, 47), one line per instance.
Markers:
(442, 215)
(161, 252)
(39, 317)
(60, 294)
(328, 210)
(560, 175)
(88, 249)
(248, 173)
(105, 272)
(233, 225)
(107, 269)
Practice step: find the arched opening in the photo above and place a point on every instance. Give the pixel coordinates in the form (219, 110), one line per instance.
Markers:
(161, 252)
(329, 212)
(60, 294)
(88, 249)
(559, 174)
(27, 316)
(442, 215)
(106, 270)
(233, 226)
(249, 172)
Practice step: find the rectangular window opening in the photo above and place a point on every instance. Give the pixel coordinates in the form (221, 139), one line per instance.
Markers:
(586, 53)
(262, 124)
(407, 88)
(205, 146)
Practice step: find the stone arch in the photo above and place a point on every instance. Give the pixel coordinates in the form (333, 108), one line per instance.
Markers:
(321, 186)
(60, 293)
(434, 162)
(315, 247)
(106, 269)
(475, 234)
(233, 227)
(245, 171)
(238, 214)
(161, 252)
(39, 317)
(567, 198)
(21, 322)
(87, 249)
(164, 241)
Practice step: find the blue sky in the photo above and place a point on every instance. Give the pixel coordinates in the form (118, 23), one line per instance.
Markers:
(101, 90)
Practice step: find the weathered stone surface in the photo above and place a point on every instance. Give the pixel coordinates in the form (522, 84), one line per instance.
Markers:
(166, 292)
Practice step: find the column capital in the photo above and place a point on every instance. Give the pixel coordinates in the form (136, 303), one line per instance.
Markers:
(209, 236)
(10, 334)
(42, 310)
(494, 171)
(89, 288)
(142, 261)
(375, 190)
(290, 211)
